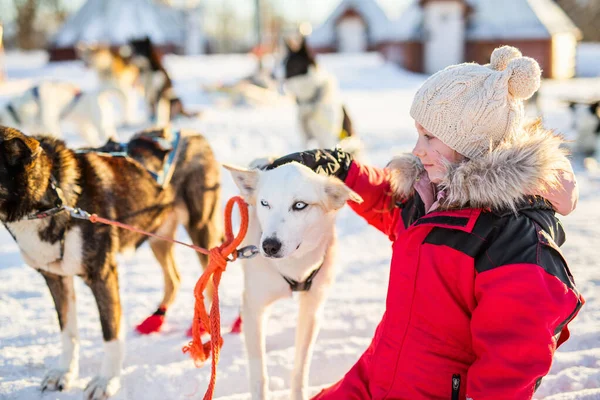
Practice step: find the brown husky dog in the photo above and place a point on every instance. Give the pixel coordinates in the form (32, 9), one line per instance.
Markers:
(40, 176)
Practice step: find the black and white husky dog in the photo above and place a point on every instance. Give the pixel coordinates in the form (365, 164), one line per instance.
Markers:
(321, 113)
(158, 86)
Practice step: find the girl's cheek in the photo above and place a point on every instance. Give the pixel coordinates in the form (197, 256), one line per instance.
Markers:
(437, 158)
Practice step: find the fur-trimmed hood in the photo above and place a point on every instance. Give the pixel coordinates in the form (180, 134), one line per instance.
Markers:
(531, 163)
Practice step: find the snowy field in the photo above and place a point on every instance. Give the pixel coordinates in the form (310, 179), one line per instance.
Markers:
(378, 98)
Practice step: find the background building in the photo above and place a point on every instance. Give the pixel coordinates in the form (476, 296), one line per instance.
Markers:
(432, 34)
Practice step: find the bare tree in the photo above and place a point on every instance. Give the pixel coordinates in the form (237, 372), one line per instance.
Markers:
(226, 32)
(26, 11)
(1, 55)
(58, 10)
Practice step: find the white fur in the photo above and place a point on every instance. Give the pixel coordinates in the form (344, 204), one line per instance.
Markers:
(92, 115)
(308, 241)
(68, 365)
(320, 120)
(35, 252)
(109, 381)
(46, 256)
(69, 359)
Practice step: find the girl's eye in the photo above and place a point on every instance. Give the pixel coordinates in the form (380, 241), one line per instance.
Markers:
(264, 204)
(428, 137)
(299, 205)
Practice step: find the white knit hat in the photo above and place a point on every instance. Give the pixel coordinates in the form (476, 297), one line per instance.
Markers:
(472, 107)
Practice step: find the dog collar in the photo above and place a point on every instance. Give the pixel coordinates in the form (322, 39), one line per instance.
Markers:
(58, 207)
(296, 286)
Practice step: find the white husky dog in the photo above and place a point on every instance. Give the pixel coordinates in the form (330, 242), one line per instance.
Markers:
(292, 222)
(43, 109)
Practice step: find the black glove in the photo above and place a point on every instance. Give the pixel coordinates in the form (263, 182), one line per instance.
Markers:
(334, 162)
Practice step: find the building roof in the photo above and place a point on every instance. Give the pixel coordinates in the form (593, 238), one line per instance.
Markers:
(554, 18)
(380, 27)
(489, 20)
(517, 19)
(117, 21)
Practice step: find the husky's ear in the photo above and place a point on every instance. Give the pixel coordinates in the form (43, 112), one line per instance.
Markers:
(303, 48)
(20, 150)
(246, 180)
(288, 48)
(337, 194)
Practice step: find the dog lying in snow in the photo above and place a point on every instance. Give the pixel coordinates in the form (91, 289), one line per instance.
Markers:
(292, 222)
(43, 109)
(40, 175)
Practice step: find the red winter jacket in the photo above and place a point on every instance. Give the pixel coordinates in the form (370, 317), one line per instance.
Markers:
(479, 294)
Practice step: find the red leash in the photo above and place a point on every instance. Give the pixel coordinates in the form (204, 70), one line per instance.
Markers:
(218, 257)
(93, 218)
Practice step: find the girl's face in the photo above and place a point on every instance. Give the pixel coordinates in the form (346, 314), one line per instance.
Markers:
(432, 151)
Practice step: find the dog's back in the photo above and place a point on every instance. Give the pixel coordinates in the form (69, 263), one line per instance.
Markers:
(196, 180)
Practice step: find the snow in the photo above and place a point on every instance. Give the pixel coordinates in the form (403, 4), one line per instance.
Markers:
(506, 20)
(517, 19)
(588, 59)
(378, 96)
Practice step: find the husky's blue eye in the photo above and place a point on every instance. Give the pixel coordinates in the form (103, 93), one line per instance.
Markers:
(299, 205)
(264, 203)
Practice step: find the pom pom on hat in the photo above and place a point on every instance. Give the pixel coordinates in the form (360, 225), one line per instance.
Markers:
(502, 56)
(525, 77)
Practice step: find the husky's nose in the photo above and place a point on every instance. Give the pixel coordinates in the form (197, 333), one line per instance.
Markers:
(271, 246)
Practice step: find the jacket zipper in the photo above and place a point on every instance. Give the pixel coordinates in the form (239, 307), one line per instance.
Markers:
(455, 387)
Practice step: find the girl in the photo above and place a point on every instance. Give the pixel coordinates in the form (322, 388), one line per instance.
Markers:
(479, 293)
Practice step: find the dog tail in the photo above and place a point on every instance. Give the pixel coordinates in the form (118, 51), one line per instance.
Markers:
(347, 124)
(177, 109)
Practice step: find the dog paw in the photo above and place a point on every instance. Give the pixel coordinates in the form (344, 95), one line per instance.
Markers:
(101, 388)
(58, 379)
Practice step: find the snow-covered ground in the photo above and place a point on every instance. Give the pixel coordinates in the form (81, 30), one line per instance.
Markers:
(378, 98)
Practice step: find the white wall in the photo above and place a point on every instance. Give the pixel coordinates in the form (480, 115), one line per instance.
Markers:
(351, 35)
(444, 34)
(194, 35)
(564, 54)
